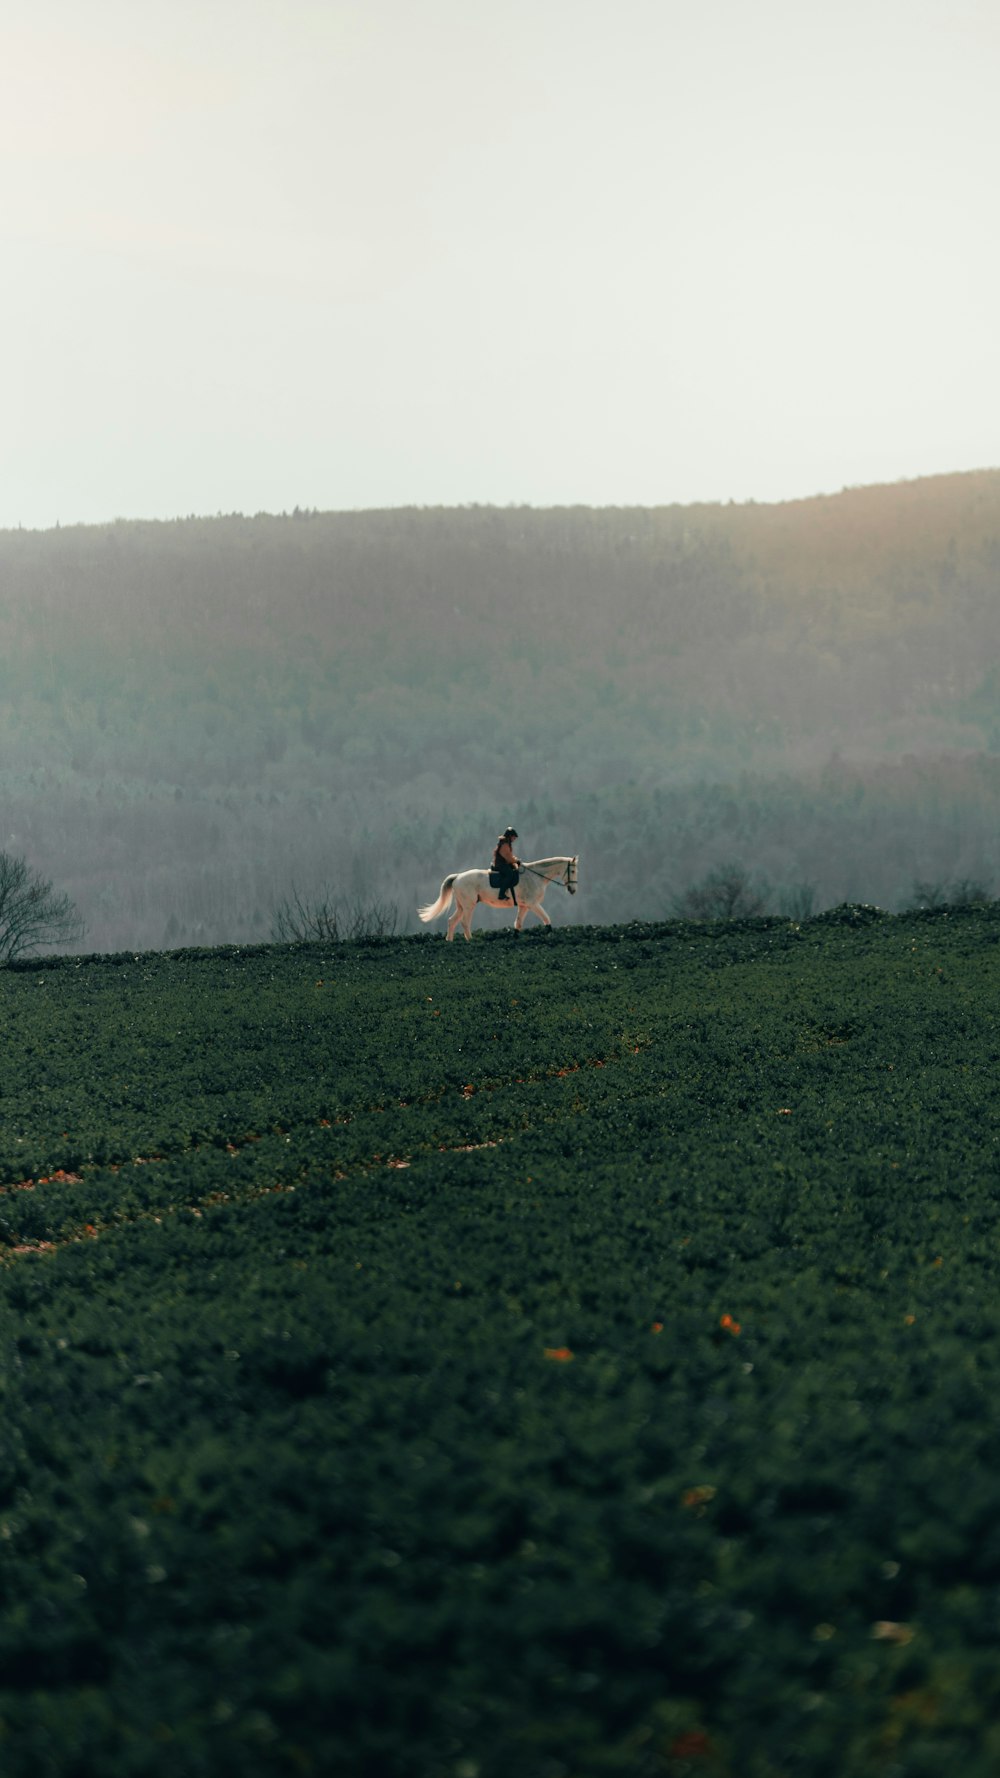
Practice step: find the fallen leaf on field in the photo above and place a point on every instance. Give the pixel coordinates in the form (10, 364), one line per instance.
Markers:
(695, 1744)
(729, 1324)
(925, 1705)
(657, 1327)
(696, 1497)
(561, 1354)
(886, 1631)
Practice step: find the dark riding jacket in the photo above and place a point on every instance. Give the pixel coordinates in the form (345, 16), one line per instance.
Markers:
(507, 871)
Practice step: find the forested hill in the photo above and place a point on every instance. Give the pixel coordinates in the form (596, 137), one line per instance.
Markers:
(196, 713)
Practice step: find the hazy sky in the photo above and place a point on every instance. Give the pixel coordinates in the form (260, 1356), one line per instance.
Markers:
(353, 253)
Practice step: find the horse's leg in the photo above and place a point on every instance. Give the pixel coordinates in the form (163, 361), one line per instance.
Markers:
(453, 921)
(467, 914)
(532, 907)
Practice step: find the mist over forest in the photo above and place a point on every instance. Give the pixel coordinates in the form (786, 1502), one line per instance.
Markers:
(199, 716)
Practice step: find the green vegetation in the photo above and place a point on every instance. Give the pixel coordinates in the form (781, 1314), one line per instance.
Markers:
(567, 1356)
(198, 716)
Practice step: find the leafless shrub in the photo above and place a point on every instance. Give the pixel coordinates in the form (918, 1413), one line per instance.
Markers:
(960, 892)
(330, 918)
(966, 891)
(797, 901)
(728, 892)
(31, 912)
(927, 894)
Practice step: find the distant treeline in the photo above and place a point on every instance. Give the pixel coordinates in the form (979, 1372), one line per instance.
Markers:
(197, 716)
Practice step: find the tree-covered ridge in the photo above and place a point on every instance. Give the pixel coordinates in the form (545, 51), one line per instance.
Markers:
(220, 694)
(414, 594)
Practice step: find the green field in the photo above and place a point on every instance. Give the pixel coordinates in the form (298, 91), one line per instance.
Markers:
(546, 1358)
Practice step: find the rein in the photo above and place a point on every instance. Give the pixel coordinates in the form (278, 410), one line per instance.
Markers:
(561, 876)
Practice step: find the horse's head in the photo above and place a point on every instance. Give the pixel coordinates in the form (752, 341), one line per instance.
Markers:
(571, 875)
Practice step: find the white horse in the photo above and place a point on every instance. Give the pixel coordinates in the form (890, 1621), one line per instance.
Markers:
(471, 886)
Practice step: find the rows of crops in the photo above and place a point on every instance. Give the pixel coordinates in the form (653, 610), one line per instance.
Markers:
(567, 1356)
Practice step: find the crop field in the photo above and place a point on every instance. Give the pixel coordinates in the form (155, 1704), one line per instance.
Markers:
(564, 1357)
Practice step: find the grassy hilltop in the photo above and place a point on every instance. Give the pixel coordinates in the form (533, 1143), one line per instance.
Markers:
(568, 1356)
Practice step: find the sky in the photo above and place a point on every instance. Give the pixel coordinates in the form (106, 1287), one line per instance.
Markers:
(341, 254)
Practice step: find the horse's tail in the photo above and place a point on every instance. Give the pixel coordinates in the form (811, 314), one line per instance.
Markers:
(435, 908)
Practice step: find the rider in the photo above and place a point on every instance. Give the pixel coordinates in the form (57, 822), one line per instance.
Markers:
(506, 865)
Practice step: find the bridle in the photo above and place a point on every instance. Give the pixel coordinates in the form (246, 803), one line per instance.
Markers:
(563, 876)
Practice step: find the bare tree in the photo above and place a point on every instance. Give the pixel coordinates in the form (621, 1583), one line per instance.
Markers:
(328, 918)
(727, 893)
(31, 913)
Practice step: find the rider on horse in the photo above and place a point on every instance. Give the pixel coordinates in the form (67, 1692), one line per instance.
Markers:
(506, 866)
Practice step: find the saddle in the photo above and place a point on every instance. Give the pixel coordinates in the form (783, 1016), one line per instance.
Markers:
(506, 882)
